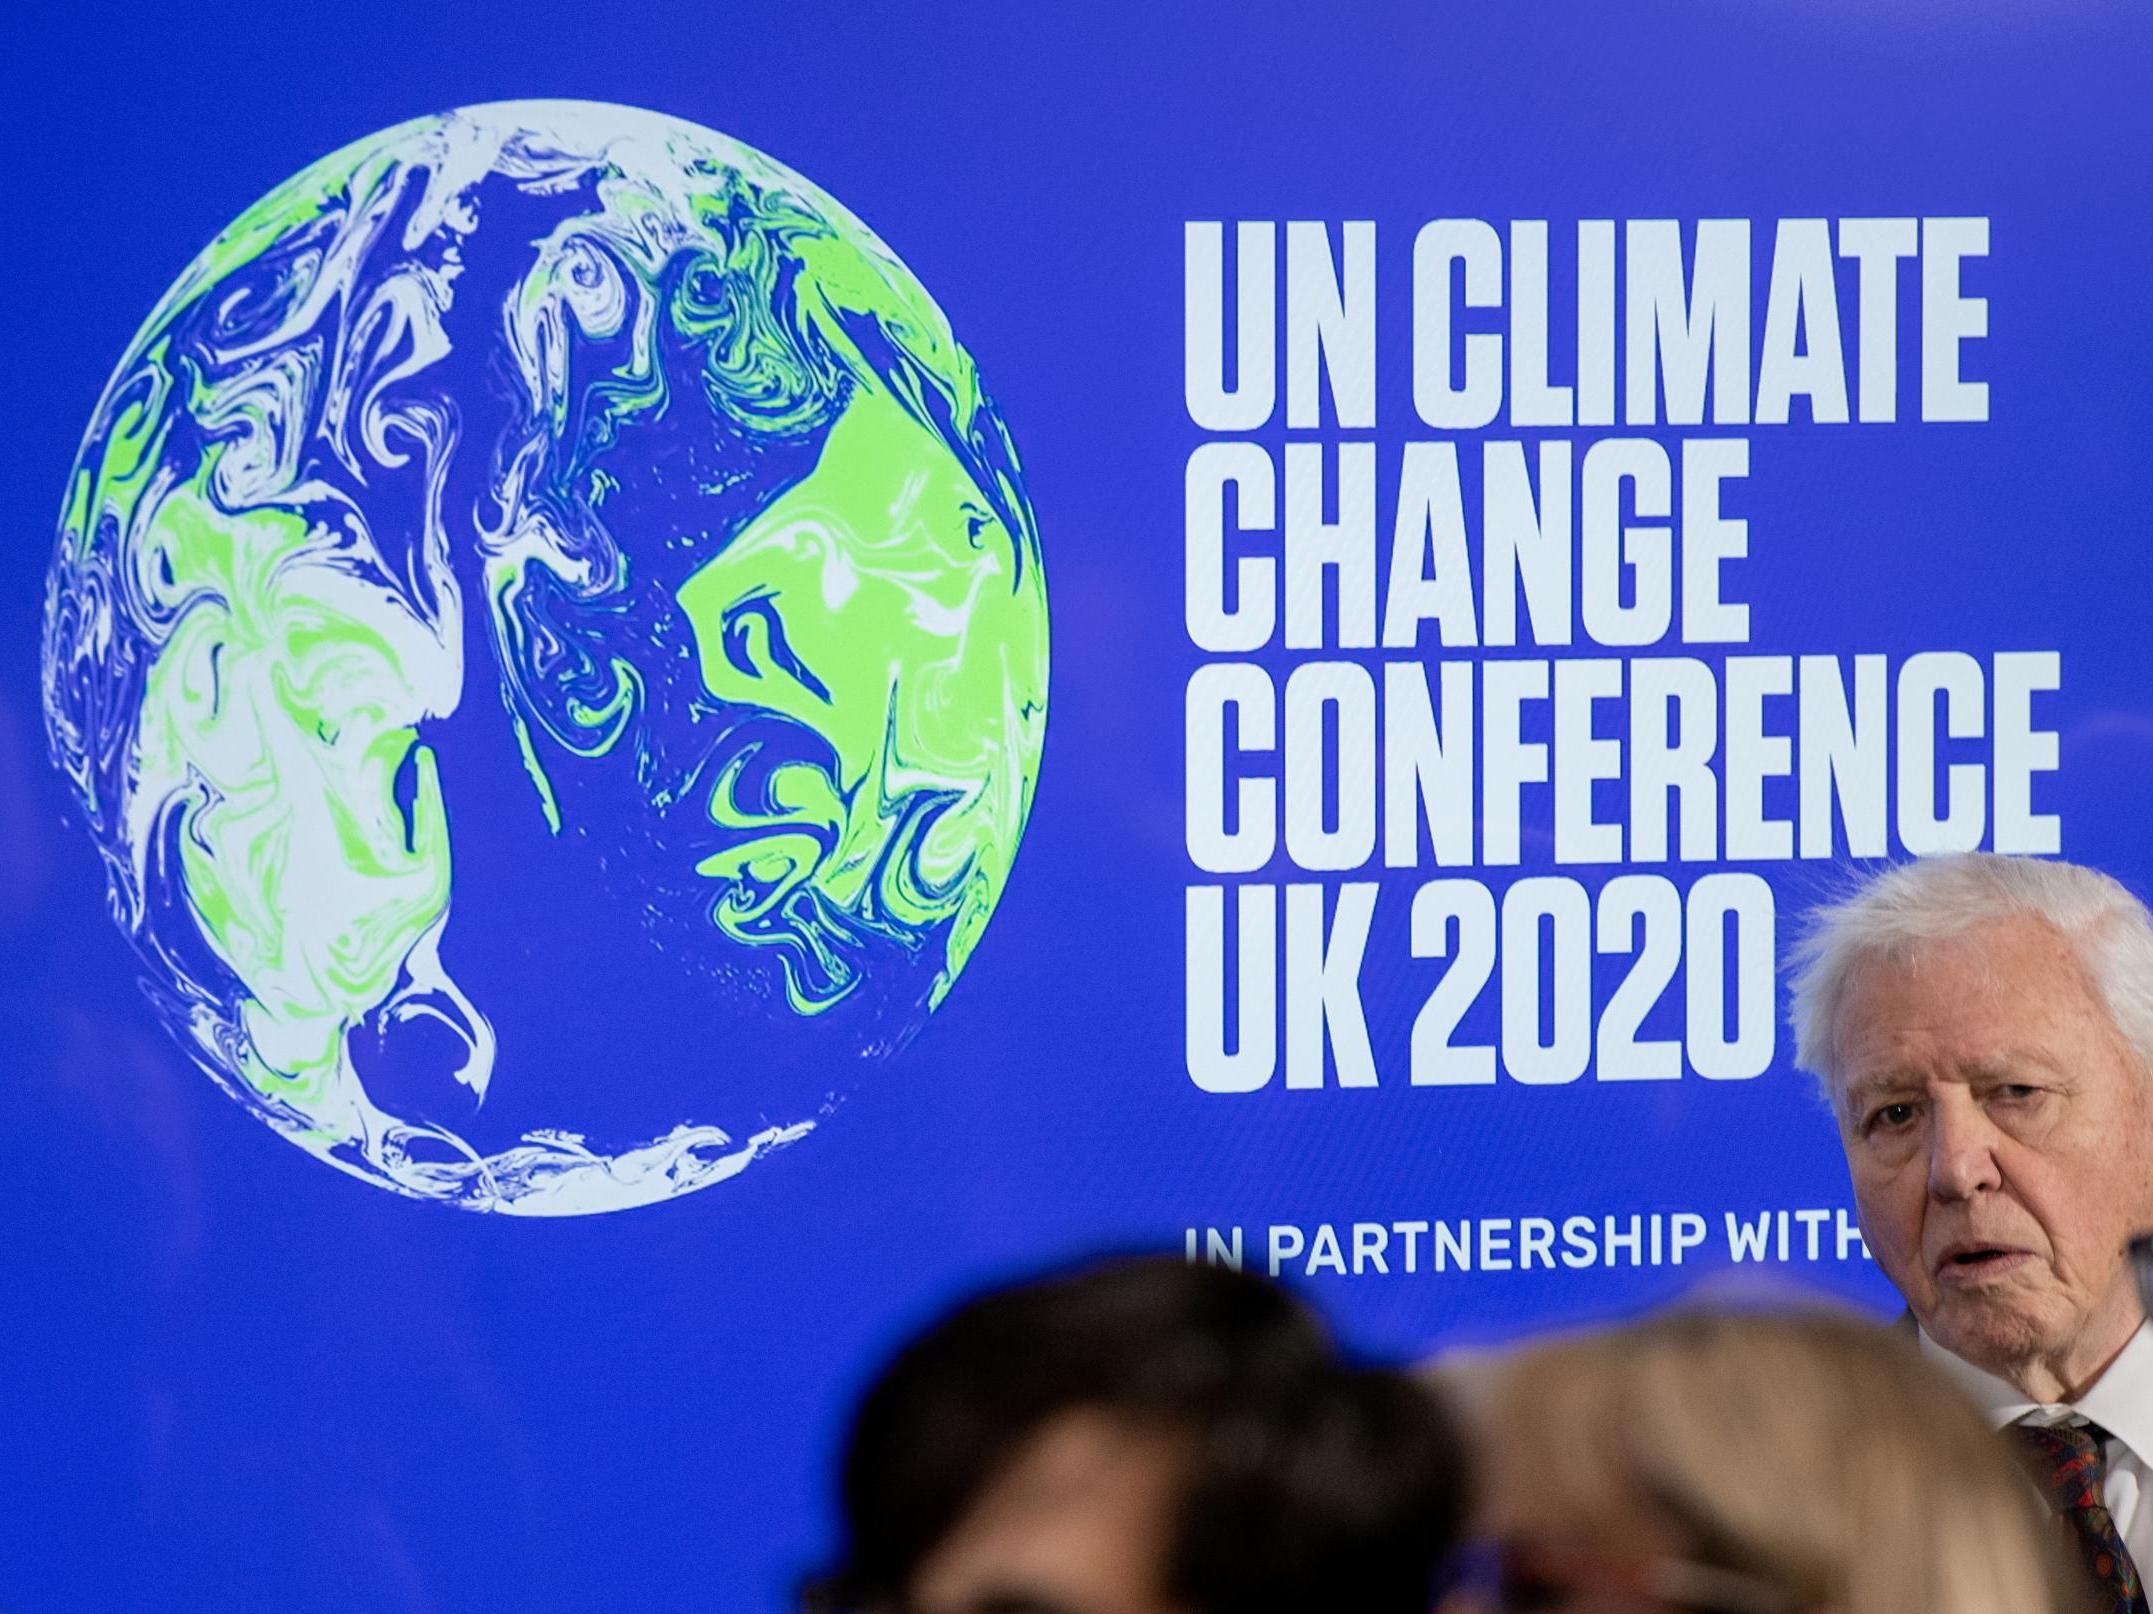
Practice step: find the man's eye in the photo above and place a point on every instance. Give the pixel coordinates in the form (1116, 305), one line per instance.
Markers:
(1891, 1117)
(2018, 1092)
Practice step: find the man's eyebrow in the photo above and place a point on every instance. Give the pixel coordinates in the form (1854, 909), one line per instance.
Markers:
(2011, 1062)
(1884, 1081)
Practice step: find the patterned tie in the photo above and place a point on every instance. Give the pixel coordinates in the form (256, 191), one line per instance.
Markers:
(2067, 1461)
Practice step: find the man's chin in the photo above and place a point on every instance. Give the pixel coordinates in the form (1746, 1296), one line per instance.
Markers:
(1994, 1331)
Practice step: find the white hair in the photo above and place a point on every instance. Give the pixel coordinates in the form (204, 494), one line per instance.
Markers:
(1937, 899)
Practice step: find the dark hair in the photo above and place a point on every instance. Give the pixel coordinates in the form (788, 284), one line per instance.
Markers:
(1305, 1483)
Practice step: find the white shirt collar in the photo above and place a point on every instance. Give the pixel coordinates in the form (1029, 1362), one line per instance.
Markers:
(2120, 1401)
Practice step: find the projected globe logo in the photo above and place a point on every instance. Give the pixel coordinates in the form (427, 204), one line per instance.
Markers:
(547, 634)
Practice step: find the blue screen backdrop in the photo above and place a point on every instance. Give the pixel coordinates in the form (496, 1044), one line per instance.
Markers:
(236, 1379)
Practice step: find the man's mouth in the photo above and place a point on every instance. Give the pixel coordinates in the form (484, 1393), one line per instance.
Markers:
(1971, 1263)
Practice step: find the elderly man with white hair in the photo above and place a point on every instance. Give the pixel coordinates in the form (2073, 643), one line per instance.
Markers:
(1983, 1026)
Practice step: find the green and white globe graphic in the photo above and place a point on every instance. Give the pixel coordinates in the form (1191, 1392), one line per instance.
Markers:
(548, 637)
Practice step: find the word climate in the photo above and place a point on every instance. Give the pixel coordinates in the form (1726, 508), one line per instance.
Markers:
(1438, 668)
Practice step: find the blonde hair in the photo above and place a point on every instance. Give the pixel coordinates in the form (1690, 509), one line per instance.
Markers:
(1815, 1451)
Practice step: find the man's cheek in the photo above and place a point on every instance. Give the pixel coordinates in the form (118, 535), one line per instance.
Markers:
(1878, 1187)
(1891, 1225)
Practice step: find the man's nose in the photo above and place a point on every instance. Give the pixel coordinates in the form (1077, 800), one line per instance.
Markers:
(1962, 1150)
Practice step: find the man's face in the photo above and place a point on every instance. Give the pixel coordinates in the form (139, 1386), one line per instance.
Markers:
(1999, 1132)
(1077, 1524)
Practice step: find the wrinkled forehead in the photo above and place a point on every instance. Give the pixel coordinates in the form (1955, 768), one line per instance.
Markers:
(1999, 996)
(1991, 963)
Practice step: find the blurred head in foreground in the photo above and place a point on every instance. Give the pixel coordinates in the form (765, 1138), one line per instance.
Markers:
(1144, 1437)
(1748, 1464)
(1983, 1026)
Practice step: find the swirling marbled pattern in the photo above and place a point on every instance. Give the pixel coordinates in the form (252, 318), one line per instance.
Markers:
(618, 427)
